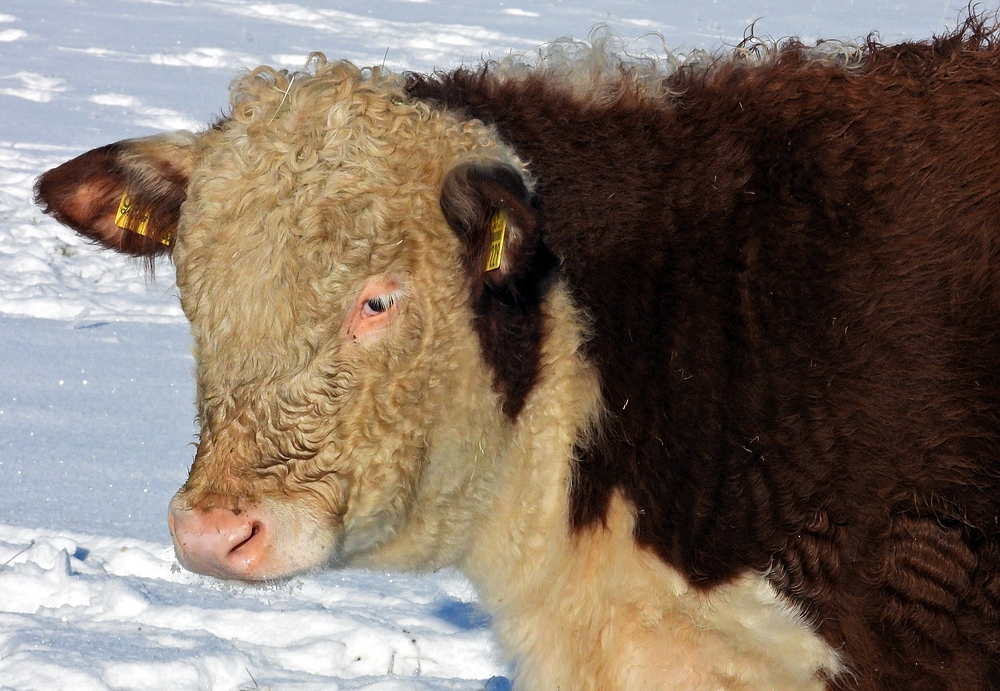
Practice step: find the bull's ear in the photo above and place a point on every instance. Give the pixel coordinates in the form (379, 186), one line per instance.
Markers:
(492, 211)
(126, 196)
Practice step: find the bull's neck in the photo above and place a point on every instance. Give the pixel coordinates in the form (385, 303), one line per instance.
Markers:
(527, 513)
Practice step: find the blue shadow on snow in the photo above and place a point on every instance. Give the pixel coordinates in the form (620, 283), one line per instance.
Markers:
(464, 615)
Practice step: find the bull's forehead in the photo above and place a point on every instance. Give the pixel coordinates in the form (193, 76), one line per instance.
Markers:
(315, 184)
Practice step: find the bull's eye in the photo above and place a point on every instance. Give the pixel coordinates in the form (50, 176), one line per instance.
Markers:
(378, 304)
(376, 308)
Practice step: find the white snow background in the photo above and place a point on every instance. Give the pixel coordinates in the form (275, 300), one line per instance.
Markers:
(96, 384)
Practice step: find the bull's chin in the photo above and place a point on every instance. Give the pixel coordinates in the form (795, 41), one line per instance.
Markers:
(265, 576)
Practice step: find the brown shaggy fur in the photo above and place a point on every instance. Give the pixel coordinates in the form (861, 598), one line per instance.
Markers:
(507, 306)
(791, 267)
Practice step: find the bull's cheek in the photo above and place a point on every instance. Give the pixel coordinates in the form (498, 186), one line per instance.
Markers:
(381, 502)
(365, 534)
(303, 539)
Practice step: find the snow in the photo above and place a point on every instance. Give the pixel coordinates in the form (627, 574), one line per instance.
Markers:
(96, 387)
(88, 612)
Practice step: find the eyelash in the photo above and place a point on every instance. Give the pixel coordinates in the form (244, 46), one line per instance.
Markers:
(380, 303)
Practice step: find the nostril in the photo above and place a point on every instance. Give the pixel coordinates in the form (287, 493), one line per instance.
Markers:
(255, 528)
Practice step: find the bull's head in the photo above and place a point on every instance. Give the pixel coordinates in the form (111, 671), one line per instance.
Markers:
(332, 242)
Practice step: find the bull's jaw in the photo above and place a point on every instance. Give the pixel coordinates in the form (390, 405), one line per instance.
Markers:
(251, 545)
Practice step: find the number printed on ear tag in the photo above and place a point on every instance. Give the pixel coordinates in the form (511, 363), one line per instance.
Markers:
(498, 231)
(127, 220)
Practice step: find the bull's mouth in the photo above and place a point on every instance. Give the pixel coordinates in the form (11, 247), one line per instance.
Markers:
(255, 544)
(221, 543)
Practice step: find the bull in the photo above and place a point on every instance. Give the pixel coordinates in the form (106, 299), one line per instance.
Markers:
(694, 372)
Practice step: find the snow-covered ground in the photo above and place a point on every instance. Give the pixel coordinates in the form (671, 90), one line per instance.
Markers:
(95, 372)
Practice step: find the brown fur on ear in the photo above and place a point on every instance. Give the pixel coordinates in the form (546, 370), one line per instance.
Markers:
(506, 300)
(86, 193)
(472, 196)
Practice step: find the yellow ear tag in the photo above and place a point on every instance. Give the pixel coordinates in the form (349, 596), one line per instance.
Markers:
(498, 231)
(126, 219)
